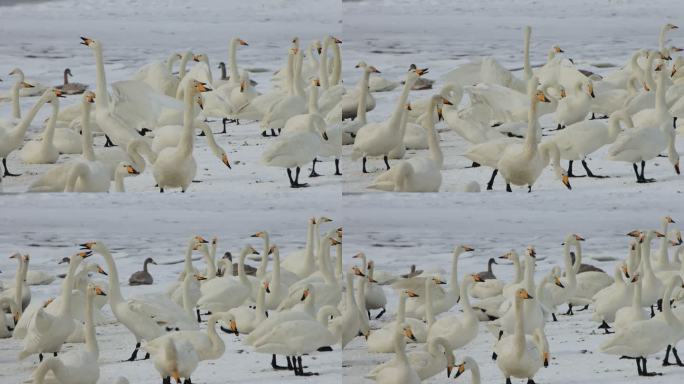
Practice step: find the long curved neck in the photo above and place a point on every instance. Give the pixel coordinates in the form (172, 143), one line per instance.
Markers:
(661, 38)
(400, 349)
(671, 319)
(19, 283)
(363, 97)
(309, 257)
(475, 374)
(222, 67)
(86, 135)
(114, 286)
(241, 270)
(90, 339)
(297, 87)
(217, 345)
(183, 66)
(648, 71)
(323, 66)
(20, 129)
(636, 299)
(401, 309)
(186, 142)
(664, 255)
(49, 134)
(337, 65)
(324, 263)
(232, 61)
(275, 278)
(429, 310)
(102, 99)
(465, 299)
(529, 274)
(531, 134)
(527, 69)
(399, 108)
(261, 269)
(313, 100)
(338, 261)
(646, 268)
(660, 103)
(453, 282)
(211, 263)
(489, 266)
(67, 284)
(569, 265)
(185, 295)
(519, 335)
(260, 310)
(169, 64)
(16, 108)
(361, 294)
(289, 69)
(433, 141)
(518, 270)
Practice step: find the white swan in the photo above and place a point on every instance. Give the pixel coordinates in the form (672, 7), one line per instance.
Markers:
(46, 333)
(469, 364)
(12, 136)
(159, 75)
(346, 327)
(565, 288)
(610, 299)
(246, 317)
(176, 167)
(76, 366)
(398, 370)
(116, 126)
(382, 340)
(533, 309)
(296, 150)
(224, 293)
(290, 105)
(351, 128)
(170, 135)
(378, 139)
(437, 356)
(140, 324)
(643, 338)
(298, 337)
(579, 140)
(174, 359)
(43, 151)
(458, 330)
(633, 313)
(574, 107)
(518, 355)
(522, 164)
(420, 173)
(375, 297)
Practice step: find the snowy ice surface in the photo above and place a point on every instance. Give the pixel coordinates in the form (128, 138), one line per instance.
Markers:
(394, 230)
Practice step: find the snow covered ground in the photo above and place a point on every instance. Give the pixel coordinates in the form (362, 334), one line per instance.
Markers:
(394, 230)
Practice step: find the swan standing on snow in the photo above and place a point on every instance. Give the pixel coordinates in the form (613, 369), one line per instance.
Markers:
(399, 369)
(518, 355)
(522, 164)
(76, 366)
(379, 139)
(579, 140)
(574, 107)
(296, 150)
(12, 136)
(137, 322)
(47, 332)
(420, 173)
(643, 338)
(176, 167)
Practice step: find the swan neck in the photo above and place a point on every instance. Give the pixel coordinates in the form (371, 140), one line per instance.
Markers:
(90, 338)
(401, 309)
(16, 108)
(636, 301)
(400, 107)
(260, 310)
(114, 286)
(363, 97)
(20, 129)
(232, 60)
(102, 99)
(49, 134)
(433, 141)
(527, 69)
(87, 134)
(323, 65)
(313, 100)
(261, 269)
(337, 65)
(186, 142)
(429, 310)
(217, 345)
(275, 278)
(519, 335)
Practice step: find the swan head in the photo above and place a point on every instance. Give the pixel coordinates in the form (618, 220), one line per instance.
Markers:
(438, 280)
(668, 220)
(357, 271)
(557, 49)
(306, 292)
(200, 57)
(316, 83)
(467, 364)
(266, 286)
(261, 234)
(16, 255)
(540, 96)
(322, 219)
(48, 302)
(408, 332)
(557, 281)
(335, 40)
(198, 277)
(200, 240)
(88, 42)
(418, 71)
(678, 238)
(410, 293)
(89, 97)
(531, 252)
(339, 232)
(523, 294)
(670, 26)
(98, 269)
(96, 290)
(463, 248)
(241, 42)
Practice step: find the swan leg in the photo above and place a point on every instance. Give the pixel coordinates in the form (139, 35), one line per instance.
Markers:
(583, 308)
(224, 122)
(530, 381)
(337, 168)
(605, 327)
(296, 184)
(135, 352)
(199, 317)
(264, 134)
(475, 164)
(7, 172)
(109, 142)
(590, 173)
(40, 357)
(381, 313)
(274, 364)
(313, 169)
(676, 355)
(529, 188)
(490, 184)
(273, 133)
(569, 312)
(369, 316)
(301, 368)
(508, 187)
(570, 173)
(187, 381)
(166, 380)
(201, 134)
(645, 372)
(553, 315)
(643, 178)
(508, 380)
(666, 360)
(289, 176)
(386, 162)
(364, 165)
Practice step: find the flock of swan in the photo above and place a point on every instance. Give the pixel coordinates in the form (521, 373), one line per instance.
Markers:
(309, 114)
(315, 300)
